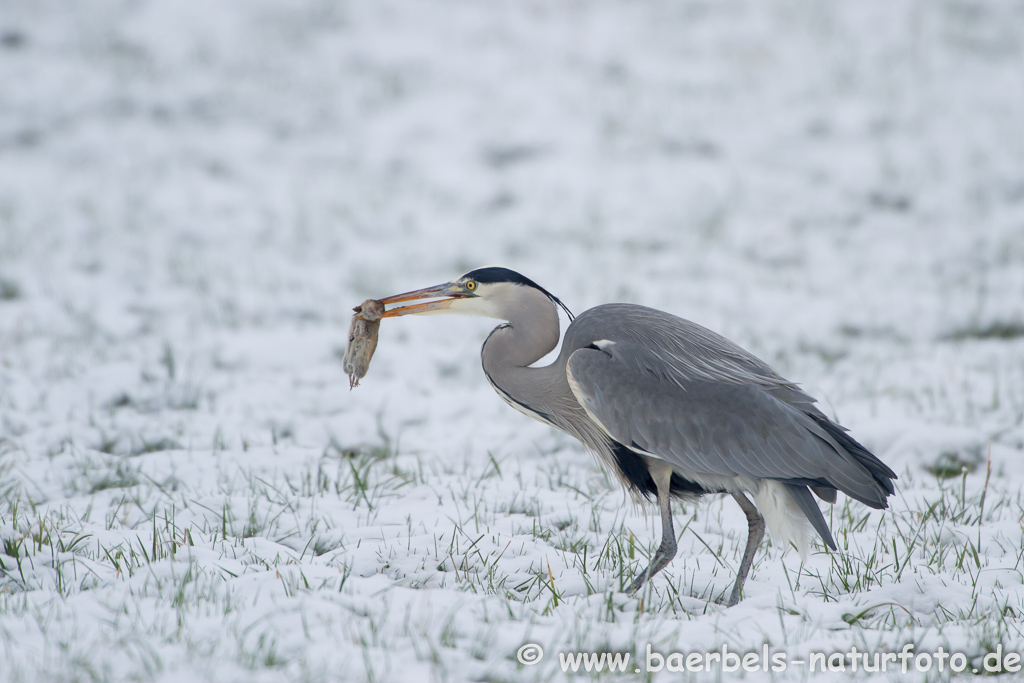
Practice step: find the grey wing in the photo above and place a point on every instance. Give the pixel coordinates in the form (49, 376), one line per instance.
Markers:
(678, 351)
(723, 428)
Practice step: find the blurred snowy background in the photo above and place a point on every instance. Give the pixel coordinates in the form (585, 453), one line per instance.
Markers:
(193, 195)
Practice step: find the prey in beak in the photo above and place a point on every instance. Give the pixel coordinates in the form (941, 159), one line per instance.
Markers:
(443, 295)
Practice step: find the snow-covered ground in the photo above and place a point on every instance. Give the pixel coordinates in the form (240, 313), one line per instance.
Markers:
(193, 195)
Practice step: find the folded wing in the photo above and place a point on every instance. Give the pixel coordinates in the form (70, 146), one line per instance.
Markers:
(643, 397)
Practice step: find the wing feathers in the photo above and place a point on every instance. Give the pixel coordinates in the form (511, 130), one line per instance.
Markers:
(721, 428)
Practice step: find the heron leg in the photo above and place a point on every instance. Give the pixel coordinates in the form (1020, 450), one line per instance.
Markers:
(662, 475)
(755, 533)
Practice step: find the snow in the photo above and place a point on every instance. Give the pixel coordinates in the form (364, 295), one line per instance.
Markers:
(194, 195)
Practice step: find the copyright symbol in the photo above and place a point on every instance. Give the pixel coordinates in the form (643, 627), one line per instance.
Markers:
(530, 654)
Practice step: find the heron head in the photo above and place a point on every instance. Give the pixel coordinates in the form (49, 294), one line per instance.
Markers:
(491, 292)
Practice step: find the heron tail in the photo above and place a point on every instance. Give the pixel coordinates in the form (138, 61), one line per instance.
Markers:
(881, 487)
(810, 509)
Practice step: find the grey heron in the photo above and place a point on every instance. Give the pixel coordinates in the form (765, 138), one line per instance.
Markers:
(670, 408)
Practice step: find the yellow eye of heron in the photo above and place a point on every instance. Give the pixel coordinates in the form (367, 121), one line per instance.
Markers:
(471, 285)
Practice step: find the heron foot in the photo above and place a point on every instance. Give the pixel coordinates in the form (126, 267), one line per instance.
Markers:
(735, 597)
(664, 555)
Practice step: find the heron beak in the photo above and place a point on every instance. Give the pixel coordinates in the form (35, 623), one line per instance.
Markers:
(448, 291)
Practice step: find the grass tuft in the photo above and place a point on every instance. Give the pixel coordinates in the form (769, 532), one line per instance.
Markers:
(1003, 330)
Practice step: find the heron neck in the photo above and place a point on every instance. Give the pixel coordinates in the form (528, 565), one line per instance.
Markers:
(531, 333)
(534, 391)
(542, 393)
